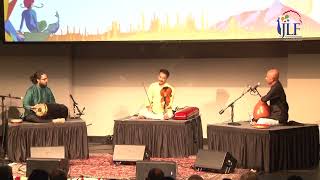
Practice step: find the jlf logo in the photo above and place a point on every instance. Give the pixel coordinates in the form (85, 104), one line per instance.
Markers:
(289, 27)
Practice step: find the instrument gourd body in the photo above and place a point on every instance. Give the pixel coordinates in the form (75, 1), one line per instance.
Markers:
(261, 110)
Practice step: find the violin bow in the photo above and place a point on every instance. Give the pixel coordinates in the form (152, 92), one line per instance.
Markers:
(146, 93)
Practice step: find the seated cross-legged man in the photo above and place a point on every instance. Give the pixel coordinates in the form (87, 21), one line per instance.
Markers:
(278, 101)
(159, 100)
(39, 102)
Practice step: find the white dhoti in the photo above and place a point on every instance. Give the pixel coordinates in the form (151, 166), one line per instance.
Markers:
(268, 121)
(151, 115)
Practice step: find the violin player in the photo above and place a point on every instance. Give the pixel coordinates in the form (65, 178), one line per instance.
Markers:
(278, 101)
(160, 95)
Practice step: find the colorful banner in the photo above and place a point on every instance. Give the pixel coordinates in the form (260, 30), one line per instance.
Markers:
(147, 20)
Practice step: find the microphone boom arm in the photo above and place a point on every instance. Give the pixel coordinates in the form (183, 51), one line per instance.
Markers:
(232, 107)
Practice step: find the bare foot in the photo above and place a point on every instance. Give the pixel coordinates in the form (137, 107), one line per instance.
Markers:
(60, 120)
(252, 123)
(141, 117)
(165, 117)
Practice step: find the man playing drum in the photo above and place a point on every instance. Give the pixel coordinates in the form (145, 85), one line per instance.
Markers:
(39, 102)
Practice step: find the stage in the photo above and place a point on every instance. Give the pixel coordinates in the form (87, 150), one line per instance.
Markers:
(258, 149)
(278, 148)
(72, 135)
(183, 137)
(169, 138)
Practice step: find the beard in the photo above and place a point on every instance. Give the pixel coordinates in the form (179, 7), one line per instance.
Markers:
(43, 85)
(161, 82)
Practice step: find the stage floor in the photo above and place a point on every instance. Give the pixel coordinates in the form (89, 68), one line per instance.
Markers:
(97, 149)
(307, 174)
(101, 166)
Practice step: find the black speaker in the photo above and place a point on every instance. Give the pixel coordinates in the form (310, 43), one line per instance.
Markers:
(222, 162)
(143, 167)
(47, 165)
(123, 154)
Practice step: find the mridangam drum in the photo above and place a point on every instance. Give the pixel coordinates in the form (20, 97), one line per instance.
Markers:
(51, 111)
(40, 109)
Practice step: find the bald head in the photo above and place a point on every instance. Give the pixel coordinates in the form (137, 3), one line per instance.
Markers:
(274, 73)
(272, 76)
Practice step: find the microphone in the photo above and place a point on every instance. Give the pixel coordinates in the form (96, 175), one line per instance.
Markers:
(254, 88)
(221, 112)
(12, 97)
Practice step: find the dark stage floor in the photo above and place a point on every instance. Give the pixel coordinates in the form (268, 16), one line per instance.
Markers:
(313, 174)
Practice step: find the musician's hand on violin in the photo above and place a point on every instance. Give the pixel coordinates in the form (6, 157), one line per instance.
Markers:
(166, 116)
(150, 108)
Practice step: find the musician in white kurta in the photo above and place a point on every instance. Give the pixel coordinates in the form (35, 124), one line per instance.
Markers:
(154, 104)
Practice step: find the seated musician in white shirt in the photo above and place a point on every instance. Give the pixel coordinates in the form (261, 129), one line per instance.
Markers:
(159, 99)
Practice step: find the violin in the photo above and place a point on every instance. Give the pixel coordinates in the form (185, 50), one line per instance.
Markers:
(261, 110)
(166, 94)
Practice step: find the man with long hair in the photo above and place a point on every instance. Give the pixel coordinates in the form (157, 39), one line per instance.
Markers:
(39, 98)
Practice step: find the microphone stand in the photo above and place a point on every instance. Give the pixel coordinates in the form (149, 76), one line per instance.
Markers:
(4, 124)
(75, 106)
(4, 128)
(231, 105)
(256, 91)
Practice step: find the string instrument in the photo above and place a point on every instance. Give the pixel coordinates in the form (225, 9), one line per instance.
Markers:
(144, 87)
(166, 97)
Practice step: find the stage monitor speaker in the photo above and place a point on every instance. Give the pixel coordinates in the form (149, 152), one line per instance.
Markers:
(129, 153)
(57, 152)
(143, 167)
(47, 164)
(222, 162)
